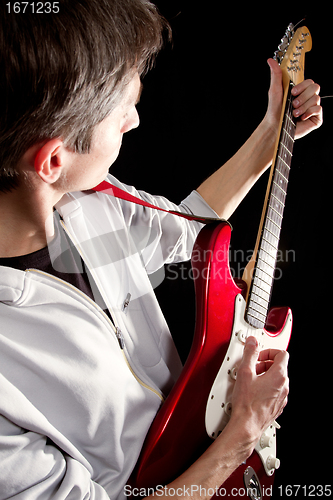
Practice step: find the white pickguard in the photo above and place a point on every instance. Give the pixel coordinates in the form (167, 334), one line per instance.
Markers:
(218, 408)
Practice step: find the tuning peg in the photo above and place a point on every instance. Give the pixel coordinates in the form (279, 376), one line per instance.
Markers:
(278, 56)
(285, 42)
(290, 30)
(293, 68)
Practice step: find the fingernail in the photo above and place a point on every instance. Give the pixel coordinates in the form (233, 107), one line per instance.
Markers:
(296, 102)
(251, 341)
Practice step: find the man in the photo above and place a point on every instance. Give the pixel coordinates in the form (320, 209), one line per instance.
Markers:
(85, 354)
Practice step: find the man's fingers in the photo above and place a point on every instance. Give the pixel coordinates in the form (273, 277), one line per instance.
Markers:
(268, 357)
(307, 107)
(307, 87)
(257, 362)
(250, 357)
(271, 354)
(263, 366)
(312, 102)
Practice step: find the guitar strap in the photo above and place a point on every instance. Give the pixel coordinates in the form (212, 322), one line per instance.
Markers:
(110, 189)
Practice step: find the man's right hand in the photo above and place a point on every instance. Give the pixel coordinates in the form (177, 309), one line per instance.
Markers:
(261, 389)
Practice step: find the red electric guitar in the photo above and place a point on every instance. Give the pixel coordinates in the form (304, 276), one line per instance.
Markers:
(199, 406)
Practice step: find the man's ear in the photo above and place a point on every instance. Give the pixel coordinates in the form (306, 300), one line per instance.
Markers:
(49, 160)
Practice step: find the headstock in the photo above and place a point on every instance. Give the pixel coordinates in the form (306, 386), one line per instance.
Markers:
(291, 53)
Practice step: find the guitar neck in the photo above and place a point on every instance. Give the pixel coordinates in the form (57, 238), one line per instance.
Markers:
(266, 250)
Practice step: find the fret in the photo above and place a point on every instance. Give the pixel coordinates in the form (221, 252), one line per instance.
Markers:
(256, 319)
(281, 159)
(284, 160)
(267, 259)
(254, 305)
(280, 187)
(291, 138)
(269, 236)
(257, 300)
(286, 153)
(279, 194)
(281, 181)
(257, 314)
(272, 226)
(275, 212)
(266, 268)
(269, 249)
(269, 246)
(268, 274)
(288, 133)
(261, 292)
(282, 173)
(264, 277)
(282, 167)
(259, 304)
(258, 282)
(290, 119)
(287, 144)
(289, 124)
(276, 202)
(276, 207)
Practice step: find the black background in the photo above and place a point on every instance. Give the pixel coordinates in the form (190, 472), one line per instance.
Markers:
(204, 98)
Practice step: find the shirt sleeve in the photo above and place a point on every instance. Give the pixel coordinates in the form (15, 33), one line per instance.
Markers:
(34, 467)
(163, 238)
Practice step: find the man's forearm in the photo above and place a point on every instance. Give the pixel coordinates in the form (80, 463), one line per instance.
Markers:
(214, 467)
(226, 188)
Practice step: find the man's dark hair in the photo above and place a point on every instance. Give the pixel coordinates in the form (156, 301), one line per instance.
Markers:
(61, 74)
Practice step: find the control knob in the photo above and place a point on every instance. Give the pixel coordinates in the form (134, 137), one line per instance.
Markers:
(266, 441)
(272, 462)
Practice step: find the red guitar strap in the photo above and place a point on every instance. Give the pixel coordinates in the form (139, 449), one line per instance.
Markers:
(110, 189)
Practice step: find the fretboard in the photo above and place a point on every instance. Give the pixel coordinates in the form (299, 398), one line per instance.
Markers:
(264, 270)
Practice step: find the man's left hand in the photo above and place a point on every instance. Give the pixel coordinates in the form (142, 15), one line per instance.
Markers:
(306, 102)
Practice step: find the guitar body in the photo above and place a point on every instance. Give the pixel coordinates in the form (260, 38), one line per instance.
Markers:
(178, 435)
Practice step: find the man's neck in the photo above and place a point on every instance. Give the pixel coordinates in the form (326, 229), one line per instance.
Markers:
(26, 223)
